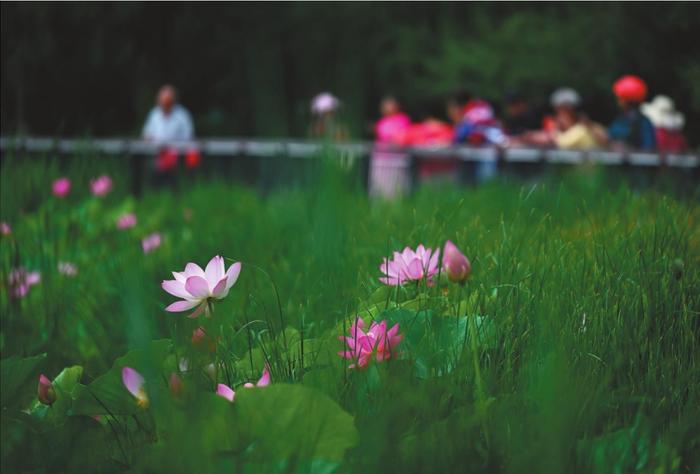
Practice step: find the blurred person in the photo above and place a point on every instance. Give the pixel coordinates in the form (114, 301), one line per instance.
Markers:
(668, 124)
(519, 116)
(455, 106)
(394, 124)
(168, 121)
(569, 128)
(479, 127)
(389, 174)
(431, 131)
(325, 123)
(631, 129)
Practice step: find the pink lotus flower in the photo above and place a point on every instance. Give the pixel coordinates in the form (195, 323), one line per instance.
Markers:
(20, 281)
(197, 287)
(151, 242)
(61, 187)
(126, 221)
(5, 228)
(225, 391)
(410, 266)
(67, 269)
(101, 186)
(134, 383)
(455, 263)
(377, 341)
(264, 380)
(45, 391)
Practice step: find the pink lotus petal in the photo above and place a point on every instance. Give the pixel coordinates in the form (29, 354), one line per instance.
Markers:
(197, 287)
(415, 269)
(182, 305)
(248, 385)
(265, 378)
(175, 288)
(219, 289)
(225, 391)
(192, 269)
(214, 271)
(232, 274)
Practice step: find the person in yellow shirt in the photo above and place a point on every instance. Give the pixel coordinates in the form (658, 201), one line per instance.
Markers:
(569, 128)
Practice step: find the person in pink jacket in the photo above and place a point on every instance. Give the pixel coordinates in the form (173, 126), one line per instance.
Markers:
(389, 174)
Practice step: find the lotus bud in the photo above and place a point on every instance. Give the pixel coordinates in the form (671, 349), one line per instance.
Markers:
(45, 391)
(175, 384)
(134, 383)
(61, 187)
(456, 264)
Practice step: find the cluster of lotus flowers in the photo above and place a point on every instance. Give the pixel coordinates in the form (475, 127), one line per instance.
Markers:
(20, 280)
(199, 288)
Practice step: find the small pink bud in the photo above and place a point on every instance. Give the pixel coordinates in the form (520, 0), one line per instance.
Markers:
(456, 264)
(175, 384)
(5, 228)
(45, 391)
(61, 187)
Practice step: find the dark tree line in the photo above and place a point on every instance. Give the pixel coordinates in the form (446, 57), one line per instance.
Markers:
(250, 69)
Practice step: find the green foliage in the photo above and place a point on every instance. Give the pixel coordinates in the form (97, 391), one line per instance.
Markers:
(571, 348)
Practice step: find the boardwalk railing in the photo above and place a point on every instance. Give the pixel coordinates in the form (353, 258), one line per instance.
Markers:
(307, 149)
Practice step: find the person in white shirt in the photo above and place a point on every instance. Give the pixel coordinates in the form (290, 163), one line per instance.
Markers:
(168, 120)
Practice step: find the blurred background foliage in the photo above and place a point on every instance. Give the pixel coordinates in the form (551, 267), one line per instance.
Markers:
(250, 69)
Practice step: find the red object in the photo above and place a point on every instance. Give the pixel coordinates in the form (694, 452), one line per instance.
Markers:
(432, 132)
(166, 159)
(192, 158)
(630, 88)
(478, 111)
(670, 141)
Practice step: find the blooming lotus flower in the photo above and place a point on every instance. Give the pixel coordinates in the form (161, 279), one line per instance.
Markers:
(45, 391)
(455, 263)
(377, 341)
(61, 187)
(264, 380)
(410, 265)
(67, 269)
(20, 281)
(134, 383)
(5, 228)
(151, 242)
(101, 186)
(225, 391)
(197, 287)
(126, 221)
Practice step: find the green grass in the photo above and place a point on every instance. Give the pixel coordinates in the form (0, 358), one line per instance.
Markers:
(573, 347)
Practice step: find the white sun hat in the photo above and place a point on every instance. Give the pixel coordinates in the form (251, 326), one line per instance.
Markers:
(663, 114)
(565, 96)
(323, 103)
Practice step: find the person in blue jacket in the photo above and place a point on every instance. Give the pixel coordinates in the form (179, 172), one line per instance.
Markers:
(632, 128)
